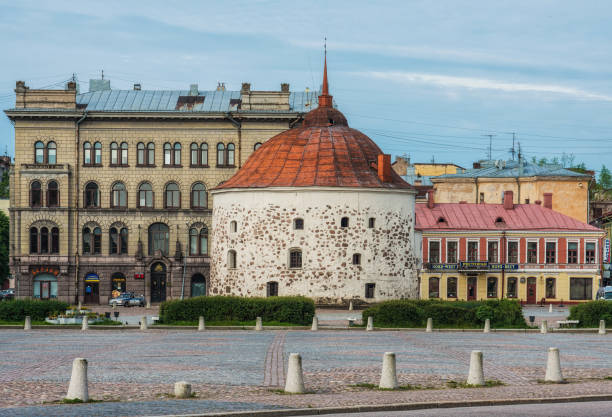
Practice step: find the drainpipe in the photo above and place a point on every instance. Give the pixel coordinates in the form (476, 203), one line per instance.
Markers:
(477, 191)
(183, 285)
(76, 211)
(503, 261)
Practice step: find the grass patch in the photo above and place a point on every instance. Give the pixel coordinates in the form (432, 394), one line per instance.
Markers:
(462, 384)
(106, 322)
(407, 387)
(608, 378)
(229, 323)
(78, 401)
(21, 323)
(170, 395)
(565, 381)
(283, 392)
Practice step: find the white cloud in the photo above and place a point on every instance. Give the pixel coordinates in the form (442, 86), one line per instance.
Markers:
(448, 81)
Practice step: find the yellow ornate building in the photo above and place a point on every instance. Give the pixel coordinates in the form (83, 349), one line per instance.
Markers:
(109, 189)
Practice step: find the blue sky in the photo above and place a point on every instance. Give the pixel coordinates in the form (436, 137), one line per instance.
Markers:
(423, 78)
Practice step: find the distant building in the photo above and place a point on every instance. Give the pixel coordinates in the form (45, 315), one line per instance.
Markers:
(5, 164)
(523, 251)
(488, 180)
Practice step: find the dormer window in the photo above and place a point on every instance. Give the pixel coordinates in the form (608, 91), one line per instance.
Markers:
(441, 220)
(499, 221)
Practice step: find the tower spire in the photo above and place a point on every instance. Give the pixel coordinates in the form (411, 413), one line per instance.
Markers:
(325, 100)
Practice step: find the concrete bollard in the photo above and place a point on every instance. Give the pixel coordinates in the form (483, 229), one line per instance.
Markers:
(476, 374)
(148, 304)
(315, 324)
(78, 381)
(182, 389)
(388, 377)
(487, 327)
(370, 325)
(85, 323)
(429, 328)
(28, 323)
(553, 366)
(201, 325)
(258, 324)
(602, 327)
(295, 379)
(544, 327)
(550, 308)
(351, 305)
(143, 323)
(79, 306)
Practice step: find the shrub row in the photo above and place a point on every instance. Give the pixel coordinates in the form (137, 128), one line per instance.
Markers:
(414, 313)
(294, 310)
(17, 310)
(591, 312)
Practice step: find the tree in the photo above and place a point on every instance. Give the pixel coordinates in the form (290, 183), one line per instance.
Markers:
(605, 178)
(4, 247)
(4, 185)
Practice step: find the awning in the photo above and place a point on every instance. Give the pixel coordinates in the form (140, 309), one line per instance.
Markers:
(91, 277)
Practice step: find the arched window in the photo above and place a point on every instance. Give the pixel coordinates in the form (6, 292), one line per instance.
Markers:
(124, 154)
(233, 226)
(257, 146)
(194, 154)
(173, 196)
(114, 153)
(44, 240)
(97, 241)
(193, 241)
(159, 238)
(39, 152)
(86, 240)
(295, 258)
(119, 195)
(298, 224)
(97, 153)
(204, 241)
(35, 194)
(51, 153)
(123, 240)
(231, 259)
(33, 240)
(52, 194)
(198, 241)
(167, 154)
(344, 222)
(140, 148)
(177, 154)
(87, 153)
(114, 241)
(92, 241)
(55, 240)
(204, 154)
(145, 195)
(198, 196)
(220, 155)
(150, 153)
(92, 195)
(231, 150)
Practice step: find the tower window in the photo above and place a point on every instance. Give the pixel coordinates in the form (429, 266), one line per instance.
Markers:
(356, 259)
(371, 222)
(369, 290)
(233, 226)
(295, 258)
(344, 222)
(298, 224)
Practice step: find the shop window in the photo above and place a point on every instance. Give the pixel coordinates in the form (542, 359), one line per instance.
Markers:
(492, 287)
(298, 224)
(581, 288)
(344, 222)
(257, 146)
(492, 251)
(220, 155)
(92, 195)
(550, 288)
(589, 254)
(371, 222)
(52, 194)
(45, 286)
(118, 195)
(231, 259)
(532, 252)
(272, 289)
(551, 252)
(472, 252)
(434, 287)
(118, 284)
(572, 252)
(173, 196)
(87, 153)
(512, 288)
(513, 252)
(295, 258)
(434, 251)
(35, 194)
(140, 154)
(198, 241)
(233, 226)
(39, 152)
(199, 198)
(51, 153)
(159, 238)
(451, 252)
(145, 195)
(356, 259)
(370, 290)
(451, 287)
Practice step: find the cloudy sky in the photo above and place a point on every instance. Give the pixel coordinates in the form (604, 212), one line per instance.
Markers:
(423, 78)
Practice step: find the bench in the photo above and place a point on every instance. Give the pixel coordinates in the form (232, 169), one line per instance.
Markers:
(567, 323)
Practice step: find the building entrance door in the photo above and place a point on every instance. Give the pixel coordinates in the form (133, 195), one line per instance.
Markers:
(158, 282)
(531, 290)
(92, 293)
(472, 287)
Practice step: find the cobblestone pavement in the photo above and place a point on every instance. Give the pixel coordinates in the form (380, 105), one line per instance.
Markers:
(237, 370)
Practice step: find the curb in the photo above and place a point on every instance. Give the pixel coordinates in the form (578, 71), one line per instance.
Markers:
(397, 407)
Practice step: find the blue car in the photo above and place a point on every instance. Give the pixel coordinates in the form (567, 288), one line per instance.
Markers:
(122, 300)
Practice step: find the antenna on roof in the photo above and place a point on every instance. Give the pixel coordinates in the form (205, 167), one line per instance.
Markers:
(102, 74)
(512, 150)
(490, 145)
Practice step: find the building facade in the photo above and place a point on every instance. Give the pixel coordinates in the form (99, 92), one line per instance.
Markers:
(110, 188)
(526, 252)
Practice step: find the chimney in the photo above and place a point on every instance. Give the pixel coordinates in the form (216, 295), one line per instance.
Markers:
(246, 87)
(548, 200)
(137, 87)
(463, 202)
(220, 86)
(285, 87)
(476, 165)
(193, 90)
(430, 199)
(538, 202)
(71, 86)
(384, 168)
(508, 200)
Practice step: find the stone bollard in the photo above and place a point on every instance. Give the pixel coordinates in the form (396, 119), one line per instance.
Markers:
(79, 306)
(258, 324)
(182, 389)
(602, 327)
(351, 305)
(487, 328)
(143, 323)
(553, 366)
(78, 381)
(429, 328)
(315, 324)
(370, 325)
(544, 327)
(201, 325)
(295, 380)
(388, 377)
(550, 308)
(148, 304)
(85, 323)
(476, 374)
(28, 323)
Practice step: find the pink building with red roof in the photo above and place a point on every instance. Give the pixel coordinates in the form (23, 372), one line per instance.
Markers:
(524, 251)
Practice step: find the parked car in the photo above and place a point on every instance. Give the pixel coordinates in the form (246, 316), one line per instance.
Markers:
(604, 293)
(137, 300)
(7, 294)
(122, 300)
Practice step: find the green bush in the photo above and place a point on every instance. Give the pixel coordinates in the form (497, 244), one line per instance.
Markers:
(414, 313)
(295, 310)
(588, 314)
(17, 310)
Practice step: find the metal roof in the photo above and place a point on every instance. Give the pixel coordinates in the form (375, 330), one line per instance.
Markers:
(514, 169)
(166, 101)
(473, 216)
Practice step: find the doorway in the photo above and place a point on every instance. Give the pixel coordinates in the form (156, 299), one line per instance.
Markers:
(158, 282)
(198, 285)
(531, 290)
(92, 292)
(472, 287)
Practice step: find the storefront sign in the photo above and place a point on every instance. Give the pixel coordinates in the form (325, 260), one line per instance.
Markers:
(503, 267)
(138, 276)
(442, 267)
(45, 269)
(91, 277)
(474, 266)
(606, 251)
